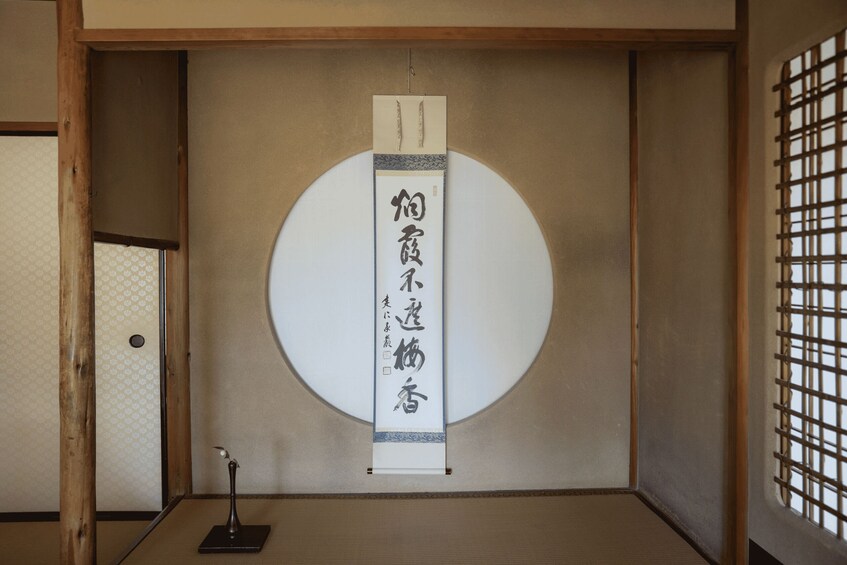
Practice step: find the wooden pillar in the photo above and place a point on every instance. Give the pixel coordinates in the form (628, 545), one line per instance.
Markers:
(633, 269)
(77, 522)
(177, 352)
(739, 165)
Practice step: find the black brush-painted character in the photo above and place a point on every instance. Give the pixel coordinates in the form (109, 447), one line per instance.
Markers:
(409, 355)
(413, 207)
(409, 278)
(409, 250)
(413, 314)
(407, 398)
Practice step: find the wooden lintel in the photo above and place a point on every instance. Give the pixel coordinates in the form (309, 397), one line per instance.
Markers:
(29, 128)
(150, 243)
(177, 354)
(429, 37)
(77, 520)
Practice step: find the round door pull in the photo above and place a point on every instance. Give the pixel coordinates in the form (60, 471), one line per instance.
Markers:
(136, 341)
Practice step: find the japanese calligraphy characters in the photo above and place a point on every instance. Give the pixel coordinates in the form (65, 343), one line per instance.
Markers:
(408, 353)
(409, 253)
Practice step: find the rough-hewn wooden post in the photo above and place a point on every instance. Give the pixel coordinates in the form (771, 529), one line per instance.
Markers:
(176, 312)
(77, 522)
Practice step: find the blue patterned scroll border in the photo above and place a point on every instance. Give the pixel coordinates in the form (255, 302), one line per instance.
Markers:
(426, 162)
(409, 437)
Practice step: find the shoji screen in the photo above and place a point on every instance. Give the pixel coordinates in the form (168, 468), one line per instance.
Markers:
(127, 285)
(29, 325)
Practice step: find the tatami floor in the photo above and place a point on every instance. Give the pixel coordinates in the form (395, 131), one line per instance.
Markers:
(37, 543)
(602, 529)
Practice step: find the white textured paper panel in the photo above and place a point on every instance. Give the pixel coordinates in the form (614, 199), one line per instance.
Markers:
(128, 433)
(129, 473)
(29, 325)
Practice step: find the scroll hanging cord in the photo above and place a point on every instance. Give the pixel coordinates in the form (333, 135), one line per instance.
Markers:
(420, 125)
(399, 127)
(409, 75)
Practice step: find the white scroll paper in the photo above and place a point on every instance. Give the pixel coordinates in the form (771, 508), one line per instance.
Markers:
(409, 423)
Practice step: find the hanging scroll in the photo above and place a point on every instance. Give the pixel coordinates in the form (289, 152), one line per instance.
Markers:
(410, 162)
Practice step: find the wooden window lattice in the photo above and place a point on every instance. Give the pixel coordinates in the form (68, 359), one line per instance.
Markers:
(811, 455)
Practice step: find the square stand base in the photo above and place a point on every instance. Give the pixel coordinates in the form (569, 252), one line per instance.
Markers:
(250, 539)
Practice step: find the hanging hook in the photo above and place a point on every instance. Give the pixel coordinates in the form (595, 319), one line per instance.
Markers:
(410, 74)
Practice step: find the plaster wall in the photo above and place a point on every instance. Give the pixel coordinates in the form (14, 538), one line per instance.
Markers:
(714, 14)
(134, 104)
(28, 61)
(264, 124)
(779, 30)
(686, 306)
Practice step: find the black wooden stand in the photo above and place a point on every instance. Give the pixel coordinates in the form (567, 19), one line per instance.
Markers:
(233, 537)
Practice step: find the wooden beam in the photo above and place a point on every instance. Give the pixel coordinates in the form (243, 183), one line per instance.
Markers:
(177, 354)
(739, 164)
(77, 521)
(431, 37)
(28, 128)
(148, 242)
(633, 269)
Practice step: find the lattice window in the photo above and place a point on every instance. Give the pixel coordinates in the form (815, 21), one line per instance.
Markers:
(812, 451)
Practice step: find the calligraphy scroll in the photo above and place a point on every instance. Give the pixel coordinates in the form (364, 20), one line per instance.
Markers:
(410, 162)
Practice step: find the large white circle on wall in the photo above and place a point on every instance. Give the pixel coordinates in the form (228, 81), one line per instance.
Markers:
(498, 287)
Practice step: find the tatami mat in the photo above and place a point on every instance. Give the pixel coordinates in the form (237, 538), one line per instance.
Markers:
(602, 529)
(37, 543)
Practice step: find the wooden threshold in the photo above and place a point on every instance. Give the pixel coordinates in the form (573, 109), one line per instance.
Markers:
(102, 516)
(407, 37)
(422, 495)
